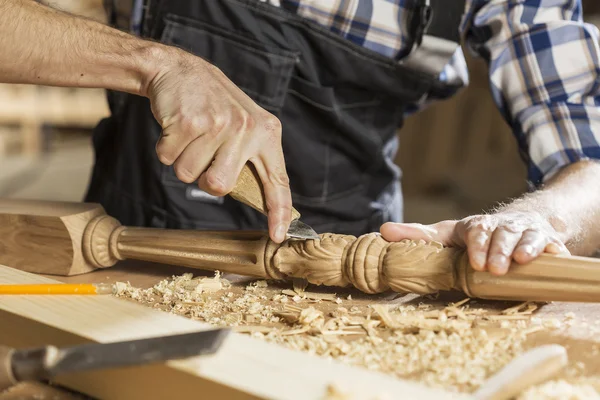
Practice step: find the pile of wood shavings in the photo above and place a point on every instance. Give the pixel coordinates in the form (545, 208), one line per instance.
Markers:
(570, 388)
(455, 348)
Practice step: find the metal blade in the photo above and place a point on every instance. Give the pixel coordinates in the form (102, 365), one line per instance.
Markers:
(26, 363)
(299, 230)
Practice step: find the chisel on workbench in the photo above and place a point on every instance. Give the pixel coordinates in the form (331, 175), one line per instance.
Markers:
(45, 362)
(250, 191)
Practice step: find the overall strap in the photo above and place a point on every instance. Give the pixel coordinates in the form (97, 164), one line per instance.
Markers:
(436, 26)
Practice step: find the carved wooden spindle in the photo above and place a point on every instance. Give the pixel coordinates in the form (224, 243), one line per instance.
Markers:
(369, 263)
(373, 266)
(74, 238)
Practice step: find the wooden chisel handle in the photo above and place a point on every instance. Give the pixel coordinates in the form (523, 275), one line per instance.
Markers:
(531, 368)
(249, 190)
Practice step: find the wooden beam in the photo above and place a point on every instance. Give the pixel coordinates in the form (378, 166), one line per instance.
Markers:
(244, 368)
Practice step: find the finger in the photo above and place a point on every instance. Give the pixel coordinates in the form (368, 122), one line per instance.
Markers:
(557, 247)
(502, 246)
(195, 159)
(531, 245)
(395, 232)
(175, 138)
(278, 195)
(222, 174)
(475, 234)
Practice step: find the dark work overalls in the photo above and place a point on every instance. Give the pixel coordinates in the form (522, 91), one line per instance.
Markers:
(340, 106)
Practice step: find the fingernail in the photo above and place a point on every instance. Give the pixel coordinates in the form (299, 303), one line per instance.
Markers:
(280, 232)
(553, 248)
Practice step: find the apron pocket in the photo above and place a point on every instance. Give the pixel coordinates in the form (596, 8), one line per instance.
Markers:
(330, 153)
(261, 71)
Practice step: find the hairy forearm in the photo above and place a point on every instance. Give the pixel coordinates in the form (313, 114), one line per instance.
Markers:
(571, 203)
(40, 45)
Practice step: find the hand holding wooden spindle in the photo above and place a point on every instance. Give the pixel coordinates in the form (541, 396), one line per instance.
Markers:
(68, 239)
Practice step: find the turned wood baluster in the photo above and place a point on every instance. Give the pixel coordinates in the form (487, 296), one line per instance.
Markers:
(245, 253)
(368, 263)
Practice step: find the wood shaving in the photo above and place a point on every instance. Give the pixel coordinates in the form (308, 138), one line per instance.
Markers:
(455, 348)
(310, 295)
(513, 317)
(525, 308)
(299, 285)
(252, 329)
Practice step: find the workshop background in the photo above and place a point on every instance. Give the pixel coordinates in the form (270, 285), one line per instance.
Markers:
(458, 157)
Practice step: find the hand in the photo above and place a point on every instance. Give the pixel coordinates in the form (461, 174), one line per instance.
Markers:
(211, 129)
(492, 241)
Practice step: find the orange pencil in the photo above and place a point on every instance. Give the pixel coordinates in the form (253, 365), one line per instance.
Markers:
(59, 288)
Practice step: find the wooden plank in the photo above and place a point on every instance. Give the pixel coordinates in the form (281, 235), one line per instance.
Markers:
(243, 368)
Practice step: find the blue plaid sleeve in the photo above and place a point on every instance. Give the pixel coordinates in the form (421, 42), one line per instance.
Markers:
(544, 70)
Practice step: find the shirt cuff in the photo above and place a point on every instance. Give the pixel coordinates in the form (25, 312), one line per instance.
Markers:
(558, 135)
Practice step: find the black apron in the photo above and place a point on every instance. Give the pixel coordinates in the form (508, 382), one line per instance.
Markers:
(340, 106)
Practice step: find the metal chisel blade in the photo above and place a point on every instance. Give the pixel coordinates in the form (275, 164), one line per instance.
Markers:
(299, 230)
(43, 363)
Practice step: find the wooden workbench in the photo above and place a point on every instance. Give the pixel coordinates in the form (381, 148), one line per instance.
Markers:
(576, 336)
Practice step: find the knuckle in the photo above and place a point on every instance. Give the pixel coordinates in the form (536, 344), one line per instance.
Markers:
(218, 123)
(272, 124)
(196, 124)
(184, 174)
(501, 248)
(163, 157)
(473, 229)
(480, 223)
(282, 204)
(511, 226)
(164, 160)
(242, 121)
(280, 178)
(215, 183)
(528, 241)
(532, 235)
(191, 127)
(478, 237)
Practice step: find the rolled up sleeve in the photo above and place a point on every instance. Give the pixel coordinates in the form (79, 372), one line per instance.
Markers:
(544, 70)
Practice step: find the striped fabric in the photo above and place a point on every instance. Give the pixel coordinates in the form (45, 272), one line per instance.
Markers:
(544, 63)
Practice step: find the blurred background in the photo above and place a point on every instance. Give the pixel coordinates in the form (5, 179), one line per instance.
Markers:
(458, 157)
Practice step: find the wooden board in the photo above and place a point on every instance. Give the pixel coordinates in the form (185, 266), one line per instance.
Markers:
(243, 368)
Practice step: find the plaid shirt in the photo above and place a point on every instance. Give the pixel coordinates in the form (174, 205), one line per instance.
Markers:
(544, 64)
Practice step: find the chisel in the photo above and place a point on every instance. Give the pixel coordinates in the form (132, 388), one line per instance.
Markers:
(46, 362)
(250, 191)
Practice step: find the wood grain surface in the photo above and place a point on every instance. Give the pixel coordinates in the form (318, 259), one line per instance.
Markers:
(243, 368)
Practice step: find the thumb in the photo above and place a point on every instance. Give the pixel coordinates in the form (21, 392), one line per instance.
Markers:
(439, 232)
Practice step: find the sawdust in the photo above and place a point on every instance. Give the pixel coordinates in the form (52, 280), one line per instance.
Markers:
(574, 388)
(573, 384)
(455, 348)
